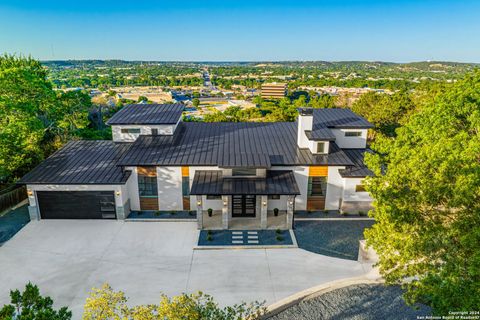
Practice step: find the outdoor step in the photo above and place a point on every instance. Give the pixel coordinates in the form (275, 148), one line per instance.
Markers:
(237, 232)
(237, 237)
(252, 237)
(253, 241)
(237, 241)
(252, 232)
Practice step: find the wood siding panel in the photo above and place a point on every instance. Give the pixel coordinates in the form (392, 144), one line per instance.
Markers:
(318, 171)
(316, 203)
(147, 171)
(186, 203)
(148, 203)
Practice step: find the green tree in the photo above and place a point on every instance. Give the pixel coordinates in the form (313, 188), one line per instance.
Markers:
(26, 97)
(30, 305)
(427, 201)
(196, 102)
(105, 304)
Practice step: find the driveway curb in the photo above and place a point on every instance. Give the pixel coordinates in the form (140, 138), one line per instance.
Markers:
(277, 307)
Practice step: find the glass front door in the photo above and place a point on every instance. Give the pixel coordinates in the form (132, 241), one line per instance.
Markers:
(243, 206)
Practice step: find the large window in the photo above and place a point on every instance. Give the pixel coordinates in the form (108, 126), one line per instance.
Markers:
(214, 197)
(274, 197)
(147, 186)
(317, 186)
(244, 172)
(130, 130)
(185, 186)
(353, 133)
(360, 188)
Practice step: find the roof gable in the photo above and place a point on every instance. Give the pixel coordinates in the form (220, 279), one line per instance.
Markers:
(147, 114)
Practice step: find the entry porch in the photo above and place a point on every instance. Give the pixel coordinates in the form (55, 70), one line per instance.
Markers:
(241, 203)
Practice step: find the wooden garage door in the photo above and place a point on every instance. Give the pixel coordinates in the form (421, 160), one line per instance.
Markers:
(76, 204)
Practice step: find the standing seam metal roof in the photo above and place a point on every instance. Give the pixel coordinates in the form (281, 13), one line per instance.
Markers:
(148, 114)
(217, 144)
(359, 169)
(81, 162)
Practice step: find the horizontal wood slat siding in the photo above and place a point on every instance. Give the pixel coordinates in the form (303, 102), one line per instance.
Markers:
(316, 203)
(147, 171)
(148, 203)
(186, 203)
(318, 171)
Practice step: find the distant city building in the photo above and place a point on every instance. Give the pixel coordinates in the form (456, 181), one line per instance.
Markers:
(274, 90)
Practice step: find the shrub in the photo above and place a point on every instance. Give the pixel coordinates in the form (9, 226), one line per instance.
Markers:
(157, 213)
(279, 238)
(209, 237)
(173, 213)
(210, 212)
(275, 212)
(278, 231)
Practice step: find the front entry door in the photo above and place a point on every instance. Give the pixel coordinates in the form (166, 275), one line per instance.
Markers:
(243, 206)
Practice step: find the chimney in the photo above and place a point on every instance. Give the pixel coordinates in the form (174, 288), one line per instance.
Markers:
(305, 123)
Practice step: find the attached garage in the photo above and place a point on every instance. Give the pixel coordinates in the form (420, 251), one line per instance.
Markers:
(76, 204)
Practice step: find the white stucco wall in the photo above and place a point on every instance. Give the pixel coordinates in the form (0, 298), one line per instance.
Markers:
(350, 142)
(281, 204)
(349, 193)
(193, 199)
(169, 182)
(301, 176)
(334, 189)
(304, 123)
(132, 187)
(118, 136)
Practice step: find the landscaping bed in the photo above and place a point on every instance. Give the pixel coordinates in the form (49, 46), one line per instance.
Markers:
(12, 221)
(162, 215)
(233, 238)
(362, 301)
(331, 237)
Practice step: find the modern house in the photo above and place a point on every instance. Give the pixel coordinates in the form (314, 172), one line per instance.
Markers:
(242, 171)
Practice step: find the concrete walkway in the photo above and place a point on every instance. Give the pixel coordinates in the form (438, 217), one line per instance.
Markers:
(67, 258)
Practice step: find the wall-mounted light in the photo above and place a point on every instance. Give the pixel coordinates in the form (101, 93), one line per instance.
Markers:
(199, 203)
(117, 193)
(290, 202)
(224, 202)
(264, 203)
(29, 192)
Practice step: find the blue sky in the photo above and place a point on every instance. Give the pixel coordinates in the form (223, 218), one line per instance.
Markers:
(242, 30)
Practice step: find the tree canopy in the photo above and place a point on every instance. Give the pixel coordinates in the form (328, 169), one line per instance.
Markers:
(427, 201)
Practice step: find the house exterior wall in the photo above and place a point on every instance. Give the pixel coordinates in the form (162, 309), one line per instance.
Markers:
(132, 187)
(169, 184)
(301, 176)
(281, 203)
(304, 123)
(118, 136)
(349, 193)
(334, 189)
(350, 142)
(120, 193)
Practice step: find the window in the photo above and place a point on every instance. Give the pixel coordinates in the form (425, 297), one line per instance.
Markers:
(185, 186)
(130, 130)
(107, 206)
(353, 133)
(274, 196)
(321, 147)
(154, 132)
(147, 186)
(244, 172)
(214, 197)
(317, 186)
(360, 188)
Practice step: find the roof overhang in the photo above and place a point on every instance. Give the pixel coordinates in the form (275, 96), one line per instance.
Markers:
(212, 182)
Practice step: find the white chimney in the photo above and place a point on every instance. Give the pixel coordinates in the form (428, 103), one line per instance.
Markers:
(305, 123)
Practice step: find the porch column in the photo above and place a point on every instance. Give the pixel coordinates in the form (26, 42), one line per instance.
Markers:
(199, 213)
(290, 204)
(225, 218)
(263, 212)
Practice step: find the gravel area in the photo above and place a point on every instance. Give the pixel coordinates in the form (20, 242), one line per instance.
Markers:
(12, 222)
(328, 214)
(331, 238)
(361, 301)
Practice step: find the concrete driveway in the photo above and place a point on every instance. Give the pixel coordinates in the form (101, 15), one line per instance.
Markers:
(67, 258)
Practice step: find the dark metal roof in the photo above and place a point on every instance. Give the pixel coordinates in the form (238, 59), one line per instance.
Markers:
(245, 160)
(340, 118)
(359, 169)
(148, 114)
(212, 182)
(320, 134)
(81, 162)
(213, 144)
